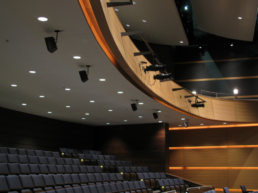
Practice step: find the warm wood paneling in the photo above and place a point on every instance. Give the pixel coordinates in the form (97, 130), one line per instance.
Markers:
(231, 167)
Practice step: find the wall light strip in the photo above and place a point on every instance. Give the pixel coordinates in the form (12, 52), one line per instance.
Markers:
(214, 147)
(214, 126)
(232, 190)
(212, 168)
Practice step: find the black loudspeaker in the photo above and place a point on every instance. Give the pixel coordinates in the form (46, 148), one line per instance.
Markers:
(83, 75)
(134, 107)
(186, 124)
(155, 115)
(51, 44)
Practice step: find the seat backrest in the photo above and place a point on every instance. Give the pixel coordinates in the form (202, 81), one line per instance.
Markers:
(67, 179)
(243, 188)
(48, 179)
(13, 168)
(24, 169)
(23, 159)
(77, 189)
(226, 190)
(58, 179)
(26, 181)
(3, 158)
(83, 178)
(4, 169)
(43, 160)
(52, 169)
(39, 153)
(75, 169)
(38, 180)
(14, 182)
(43, 168)
(12, 150)
(3, 184)
(75, 178)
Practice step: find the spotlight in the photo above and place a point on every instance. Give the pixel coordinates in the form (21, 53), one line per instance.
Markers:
(198, 104)
(155, 67)
(163, 76)
(176, 89)
(134, 106)
(155, 115)
(51, 42)
(186, 124)
(83, 75)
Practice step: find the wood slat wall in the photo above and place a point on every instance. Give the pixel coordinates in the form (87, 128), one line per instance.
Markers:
(245, 158)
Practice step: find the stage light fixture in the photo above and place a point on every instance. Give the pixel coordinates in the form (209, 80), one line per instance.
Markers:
(84, 73)
(163, 76)
(198, 104)
(177, 89)
(51, 42)
(115, 4)
(155, 67)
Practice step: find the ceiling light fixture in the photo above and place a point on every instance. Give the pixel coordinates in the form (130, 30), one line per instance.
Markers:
(13, 85)
(41, 96)
(160, 121)
(201, 124)
(120, 92)
(107, 123)
(231, 45)
(194, 92)
(144, 20)
(181, 42)
(32, 72)
(125, 120)
(186, 7)
(110, 110)
(239, 18)
(42, 19)
(49, 112)
(83, 118)
(68, 106)
(102, 80)
(67, 89)
(140, 103)
(183, 118)
(140, 116)
(127, 25)
(87, 114)
(77, 57)
(235, 91)
(116, 9)
(24, 104)
(92, 101)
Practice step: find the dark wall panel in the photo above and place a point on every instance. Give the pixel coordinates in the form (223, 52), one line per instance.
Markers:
(25, 130)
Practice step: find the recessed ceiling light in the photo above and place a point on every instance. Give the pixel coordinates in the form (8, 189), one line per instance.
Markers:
(127, 25)
(181, 41)
(87, 114)
(92, 101)
(140, 116)
(120, 92)
(235, 91)
(201, 124)
(239, 18)
(110, 110)
(107, 123)
(13, 85)
(125, 120)
(183, 118)
(144, 20)
(68, 106)
(77, 57)
(102, 79)
(179, 125)
(41, 96)
(231, 45)
(43, 19)
(134, 3)
(186, 7)
(83, 118)
(32, 72)
(224, 123)
(159, 111)
(160, 121)
(116, 9)
(24, 104)
(200, 47)
(67, 89)
(49, 112)
(194, 92)
(140, 103)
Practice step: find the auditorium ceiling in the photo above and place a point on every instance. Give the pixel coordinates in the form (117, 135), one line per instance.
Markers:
(35, 81)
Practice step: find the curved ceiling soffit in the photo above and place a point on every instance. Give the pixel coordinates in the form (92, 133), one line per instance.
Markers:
(97, 19)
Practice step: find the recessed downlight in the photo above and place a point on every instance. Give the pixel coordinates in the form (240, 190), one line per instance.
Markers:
(120, 92)
(77, 57)
(67, 89)
(24, 104)
(179, 125)
(201, 124)
(83, 118)
(41, 96)
(116, 9)
(49, 112)
(102, 80)
(87, 114)
(181, 41)
(127, 25)
(231, 45)
(235, 91)
(134, 3)
(42, 19)
(67, 106)
(32, 71)
(186, 8)
(107, 123)
(239, 18)
(125, 120)
(183, 118)
(110, 110)
(160, 121)
(159, 111)
(140, 103)
(144, 21)
(92, 101)
(14, 85)
(224, 123)
(140, 116)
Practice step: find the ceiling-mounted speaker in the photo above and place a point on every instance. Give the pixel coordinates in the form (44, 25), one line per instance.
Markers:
(134, 107)
(51, 44)
(83, 75)
(155, 115)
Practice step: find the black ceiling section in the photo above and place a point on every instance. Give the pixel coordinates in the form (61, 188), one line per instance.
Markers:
(209, 57)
